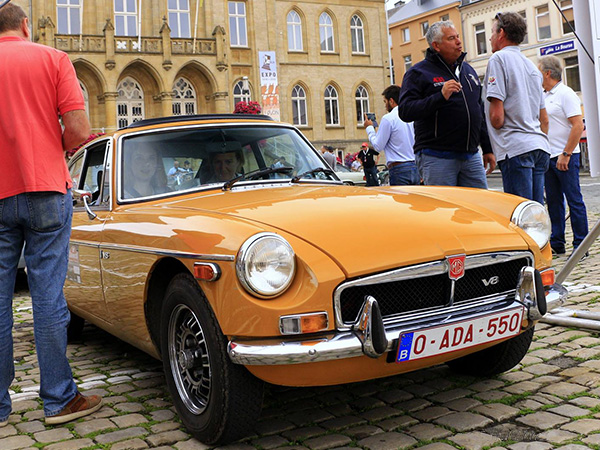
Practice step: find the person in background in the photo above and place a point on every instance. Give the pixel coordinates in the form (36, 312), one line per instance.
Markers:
(442, 95)
(516, 115)
(39, 89)
(356, 165)
(328, 156)
(396, 139)
(368, 158)
(562, 177)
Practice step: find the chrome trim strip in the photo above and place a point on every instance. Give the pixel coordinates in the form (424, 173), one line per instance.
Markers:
(419, 271)
(84, 244)
(155, 251)
(346, 344)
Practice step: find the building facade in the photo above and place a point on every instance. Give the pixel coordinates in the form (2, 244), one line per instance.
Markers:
(140, 59)
(408, 25)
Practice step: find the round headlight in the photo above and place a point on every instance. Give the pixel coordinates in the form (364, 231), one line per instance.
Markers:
(266, 265)
(534, 220)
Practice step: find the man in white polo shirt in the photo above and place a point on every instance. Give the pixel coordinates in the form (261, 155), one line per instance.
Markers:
(516, 115)
(562, 178)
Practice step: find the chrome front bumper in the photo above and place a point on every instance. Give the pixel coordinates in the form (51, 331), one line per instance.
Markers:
(372, 337)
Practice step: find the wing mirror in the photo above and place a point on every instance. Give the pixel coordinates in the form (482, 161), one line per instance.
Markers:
(83, 198)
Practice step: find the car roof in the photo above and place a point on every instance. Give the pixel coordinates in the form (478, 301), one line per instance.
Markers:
(196, 117)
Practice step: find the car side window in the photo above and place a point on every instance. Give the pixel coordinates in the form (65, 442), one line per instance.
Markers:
(75, 167)
(94, 178)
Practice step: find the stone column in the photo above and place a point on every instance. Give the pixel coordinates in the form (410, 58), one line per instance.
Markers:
(165, 33)
(110, 107)
(109, 40)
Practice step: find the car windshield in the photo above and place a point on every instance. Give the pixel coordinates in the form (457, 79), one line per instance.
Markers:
(167, 161)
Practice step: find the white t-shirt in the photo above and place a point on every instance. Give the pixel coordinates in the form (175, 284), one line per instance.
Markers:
(561, 104)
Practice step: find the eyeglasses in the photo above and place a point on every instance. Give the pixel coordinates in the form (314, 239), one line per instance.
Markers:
(498, 18)
(4, 2)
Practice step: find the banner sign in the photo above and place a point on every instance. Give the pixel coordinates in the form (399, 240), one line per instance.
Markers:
(557, 48)
(269, 86)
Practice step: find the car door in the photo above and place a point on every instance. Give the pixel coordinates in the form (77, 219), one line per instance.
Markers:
(83, 289)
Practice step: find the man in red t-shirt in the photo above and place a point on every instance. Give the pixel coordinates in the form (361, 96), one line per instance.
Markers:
(39, 86)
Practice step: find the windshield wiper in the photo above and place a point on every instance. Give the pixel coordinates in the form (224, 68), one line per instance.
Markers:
(255, 174)
(312, 172)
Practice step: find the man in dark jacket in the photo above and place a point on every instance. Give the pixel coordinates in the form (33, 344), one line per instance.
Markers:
(442, 95)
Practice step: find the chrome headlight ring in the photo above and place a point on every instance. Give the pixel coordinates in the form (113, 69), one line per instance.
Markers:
(533, 218)
(266, 265)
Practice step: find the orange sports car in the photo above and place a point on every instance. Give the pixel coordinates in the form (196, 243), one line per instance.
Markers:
(220, 245)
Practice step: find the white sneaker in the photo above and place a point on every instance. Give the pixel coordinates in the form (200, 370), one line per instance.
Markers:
(4, 423)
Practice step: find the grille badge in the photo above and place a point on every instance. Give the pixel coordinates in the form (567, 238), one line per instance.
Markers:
(456, 266)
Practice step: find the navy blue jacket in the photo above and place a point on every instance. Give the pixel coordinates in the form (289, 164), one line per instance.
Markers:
(454, 125)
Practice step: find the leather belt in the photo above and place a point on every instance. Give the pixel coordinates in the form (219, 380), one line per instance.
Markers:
(397, 163)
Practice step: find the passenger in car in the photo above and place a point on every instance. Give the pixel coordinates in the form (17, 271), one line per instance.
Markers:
(144, 173)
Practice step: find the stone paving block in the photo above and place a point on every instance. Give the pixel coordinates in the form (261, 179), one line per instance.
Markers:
(497, 411)
(491, 396)
(129, 407)
(397, 422)
(300, 434)
(165, 426)
(542, 420)
(463, 421)
(574, 371)
(191, 444)
(339, 423)
(546, 353)
(487, 385)
(384, 412)
(586, 402)
(427, 432)
(437, 446)
(273, 426)
(415, 404)
(531, 446)
(167, 438)
(528, 360)
(564, 389)
(121, 388)
(327, 442)
(74, 444)
(162, 414)
(575, 447)
(584, 353)
(387, 441)
(24, 405)
(453, 394)
(269, 442)
(515, 377)
(583, 426)
(557, 436)
(363, 431)
(131, 444)
(589, 379)
(569, 411)
(474, 440)
(548, 379)
(28, 427)
(121, 435)
(419, 390)
(129, 420)
(16, 442)
(592, 439)
(431, 413)
(8, 430)
(522, 387)
(301, 418)
(366, 403)
(93, 426)
(394, 396)
(462, 404)
(53, 435)
(592, 364)
(541, 369)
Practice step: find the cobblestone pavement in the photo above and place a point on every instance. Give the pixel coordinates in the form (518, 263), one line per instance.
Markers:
(552, 400)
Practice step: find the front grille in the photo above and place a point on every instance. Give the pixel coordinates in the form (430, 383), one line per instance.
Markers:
(433, 291)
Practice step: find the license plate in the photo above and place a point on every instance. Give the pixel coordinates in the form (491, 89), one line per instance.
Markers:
(457, 336)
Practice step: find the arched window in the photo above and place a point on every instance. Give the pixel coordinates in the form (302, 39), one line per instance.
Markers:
(294, 30)
(184, 97)
(130, 102)
(326, 33)
(241, 92)
(299, 106)
(362, 104)
(332, 116)
(358, 34)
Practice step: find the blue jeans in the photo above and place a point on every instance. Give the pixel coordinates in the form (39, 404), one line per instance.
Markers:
(371, 176)
(561, 184)
(524, 174)
(41, 220)
(453, 172)
(404, 174)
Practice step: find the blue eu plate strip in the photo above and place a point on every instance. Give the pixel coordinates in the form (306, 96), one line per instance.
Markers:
(404, 347)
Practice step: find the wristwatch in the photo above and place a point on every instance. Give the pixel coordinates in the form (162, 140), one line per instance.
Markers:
(566, 154)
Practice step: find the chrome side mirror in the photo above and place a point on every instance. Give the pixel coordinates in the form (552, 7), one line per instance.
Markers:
(82, 198)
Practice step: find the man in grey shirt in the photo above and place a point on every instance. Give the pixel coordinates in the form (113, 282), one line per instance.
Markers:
(328, 156)
(516, 114)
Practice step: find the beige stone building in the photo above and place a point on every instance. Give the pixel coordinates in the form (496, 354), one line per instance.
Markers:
(408, 25)
(148, 58)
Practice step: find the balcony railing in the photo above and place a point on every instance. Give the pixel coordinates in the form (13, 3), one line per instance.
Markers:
(127, 44)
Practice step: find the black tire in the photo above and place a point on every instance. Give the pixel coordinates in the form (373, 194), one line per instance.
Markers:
(218, 401)
(496, 359)
(75, 327)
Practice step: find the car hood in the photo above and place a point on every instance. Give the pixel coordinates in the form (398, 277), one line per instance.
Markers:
(373, 229)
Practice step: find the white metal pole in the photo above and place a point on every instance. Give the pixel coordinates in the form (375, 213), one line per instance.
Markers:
(196, 26)
(140, 26)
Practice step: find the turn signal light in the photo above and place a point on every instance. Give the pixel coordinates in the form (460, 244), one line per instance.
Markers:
(547, 277)
(206, 271)
(304, 323)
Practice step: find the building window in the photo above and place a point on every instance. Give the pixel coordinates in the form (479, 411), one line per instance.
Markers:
(241, 92)
(542, 17)
(294, 30)
(566, 7)
(130, 102)
(68, 14)
(572, 73)
(332, 116)
(357, 33)
(362, 104)
(523, 14)
(184, 98)
(126, 18)
(445, 17)
(406, 34)
(179, 18)
(299, 106)
(326, 33)
(407, 63)
(480, 40)
(424, 28)
(237, 24)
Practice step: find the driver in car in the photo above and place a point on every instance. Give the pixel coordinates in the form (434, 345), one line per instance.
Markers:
(226, 166)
